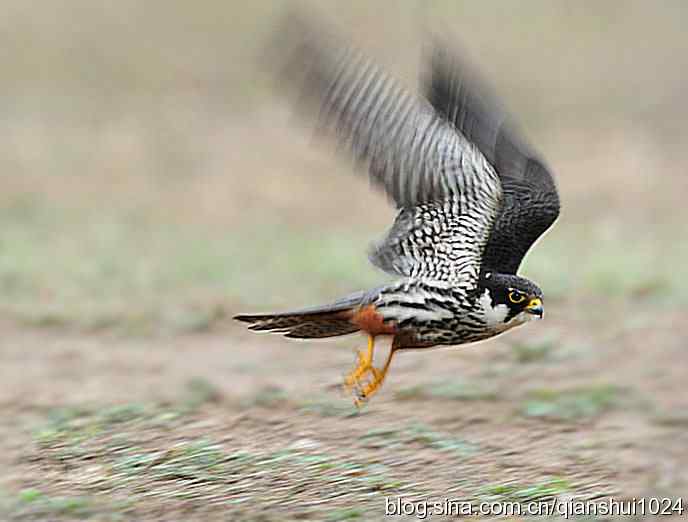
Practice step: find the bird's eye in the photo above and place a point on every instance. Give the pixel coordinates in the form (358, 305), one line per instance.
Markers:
(516, 297)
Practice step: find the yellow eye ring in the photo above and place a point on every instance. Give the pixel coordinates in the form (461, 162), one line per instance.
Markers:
(516, 297)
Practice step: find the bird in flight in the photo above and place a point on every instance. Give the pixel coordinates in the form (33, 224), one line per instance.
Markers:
(472, 198)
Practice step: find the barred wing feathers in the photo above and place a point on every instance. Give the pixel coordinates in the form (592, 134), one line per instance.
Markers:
(531, 201)
(447, 192)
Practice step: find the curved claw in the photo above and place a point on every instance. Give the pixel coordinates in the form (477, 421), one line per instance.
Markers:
(364, 390)
(362, 367)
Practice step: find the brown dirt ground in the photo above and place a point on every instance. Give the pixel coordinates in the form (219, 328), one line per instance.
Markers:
(635, 448)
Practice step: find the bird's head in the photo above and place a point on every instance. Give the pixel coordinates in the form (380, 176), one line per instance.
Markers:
(510, 299)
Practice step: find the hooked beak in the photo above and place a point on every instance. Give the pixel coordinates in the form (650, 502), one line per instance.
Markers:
(535, 307)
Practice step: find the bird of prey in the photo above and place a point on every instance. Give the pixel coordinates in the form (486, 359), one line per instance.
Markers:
(472, 198)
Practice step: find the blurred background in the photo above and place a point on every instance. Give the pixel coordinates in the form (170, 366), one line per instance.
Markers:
(154, 183)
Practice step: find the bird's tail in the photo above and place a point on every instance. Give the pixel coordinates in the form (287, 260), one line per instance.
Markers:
(309, 323)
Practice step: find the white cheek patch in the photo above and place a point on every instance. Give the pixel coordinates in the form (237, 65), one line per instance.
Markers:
(521, 318)
(493, 315)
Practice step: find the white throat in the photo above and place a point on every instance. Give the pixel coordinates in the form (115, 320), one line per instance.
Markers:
(495, 315)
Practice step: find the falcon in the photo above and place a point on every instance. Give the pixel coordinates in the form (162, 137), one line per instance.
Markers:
(472, 198)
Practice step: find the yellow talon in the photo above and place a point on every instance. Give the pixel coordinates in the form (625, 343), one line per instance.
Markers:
(363, 391)
(363, 365)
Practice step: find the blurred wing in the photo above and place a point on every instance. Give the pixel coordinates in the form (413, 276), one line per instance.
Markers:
(531, 202)
(415, 155)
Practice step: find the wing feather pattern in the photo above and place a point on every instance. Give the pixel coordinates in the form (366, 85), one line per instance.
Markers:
(531, 202)
(447, 192)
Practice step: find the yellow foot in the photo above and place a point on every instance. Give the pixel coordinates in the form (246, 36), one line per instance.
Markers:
(364, 363)
(365, 388)
(365, 379)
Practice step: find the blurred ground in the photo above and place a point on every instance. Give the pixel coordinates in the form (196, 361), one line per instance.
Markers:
(153, 186)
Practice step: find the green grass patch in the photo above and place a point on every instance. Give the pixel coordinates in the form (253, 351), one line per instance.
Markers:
(572, 404)
(382, 439)
(419, 434)
(69, 428)
(381, 433)
(340, 515)
(268, 397)
(330, 408)
(241, 474)
(199, 391)
(199, 460)
(144, 452)
(535, 351)
(456, 390)
(425, 436)
(33, 504)
(515, 492)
